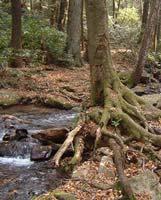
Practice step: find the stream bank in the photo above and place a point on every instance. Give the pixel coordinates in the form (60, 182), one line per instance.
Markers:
(21, 178)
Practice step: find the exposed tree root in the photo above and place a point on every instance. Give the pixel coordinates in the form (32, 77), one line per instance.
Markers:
(118, 159)
(122, 109)
(65, 145)
(79, 148)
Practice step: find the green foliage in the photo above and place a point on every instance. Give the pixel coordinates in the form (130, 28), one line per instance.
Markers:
(154, 57)
(116, 123)
(125, 30)
(5, 33)
(128, 17)
(54, 40)
(38, 37)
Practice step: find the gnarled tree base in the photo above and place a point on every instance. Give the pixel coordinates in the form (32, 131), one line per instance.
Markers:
(122, 109)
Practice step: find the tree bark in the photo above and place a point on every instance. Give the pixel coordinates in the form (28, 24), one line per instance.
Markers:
(146, 41)
(16, 36)
(97, 71)
(54, 10)
(62, 15)
(16, 39)
(74, 31)
(146, 6)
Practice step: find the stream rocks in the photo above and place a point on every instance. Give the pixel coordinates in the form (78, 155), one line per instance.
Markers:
(56, 135)
(17, 135)
(39, 146)
(41, 153)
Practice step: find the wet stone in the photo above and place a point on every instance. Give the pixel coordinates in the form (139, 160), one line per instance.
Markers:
(17, 135)
(56, 135)
(41, 153)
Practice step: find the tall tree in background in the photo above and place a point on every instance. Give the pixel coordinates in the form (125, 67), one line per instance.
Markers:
(146, 6)
(74, 31)
(54, 9)
(146, 41)
(62, 15)
(157, 32)
(16, 37)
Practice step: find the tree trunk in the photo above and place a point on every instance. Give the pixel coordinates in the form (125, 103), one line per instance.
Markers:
(114, 8)
(16, 37)
(31, 5)
(146, 6)
(62, 15)
(74, 31)
(159, 30)
(54, 9)
(146, 41)
(95, 16)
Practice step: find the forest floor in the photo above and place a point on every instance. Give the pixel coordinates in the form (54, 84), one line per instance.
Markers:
(39, 84)
(66, 88)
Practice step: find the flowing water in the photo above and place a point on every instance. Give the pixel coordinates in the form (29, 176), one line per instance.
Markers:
(20, 178)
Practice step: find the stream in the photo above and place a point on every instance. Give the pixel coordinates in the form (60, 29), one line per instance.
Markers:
(20, 178)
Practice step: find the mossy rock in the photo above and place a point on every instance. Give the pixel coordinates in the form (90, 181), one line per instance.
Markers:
(8, 98)
(60, 195)
(56, 195)
(57, 103)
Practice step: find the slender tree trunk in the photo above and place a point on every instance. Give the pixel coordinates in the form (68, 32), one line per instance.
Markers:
(82, 26)
(159, 30)
(74, 31)
(114, 8)
(31, 5)
(146, 41)
(54, 10)
(16, 37)
(146, 6)
(62, 15)
(118, 8)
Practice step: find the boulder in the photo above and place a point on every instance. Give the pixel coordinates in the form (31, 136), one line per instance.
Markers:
(17, 135)
(41, 153)
(61, 195)
(145, 78)
(146, 182)
(139, 90)
(56, 135)
(103, 167)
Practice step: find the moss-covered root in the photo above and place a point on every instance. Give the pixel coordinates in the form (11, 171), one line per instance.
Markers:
(79, 148)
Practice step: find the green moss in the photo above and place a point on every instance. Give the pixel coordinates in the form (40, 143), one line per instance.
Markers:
(60, 195)
(57, 103)
(9, 99)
